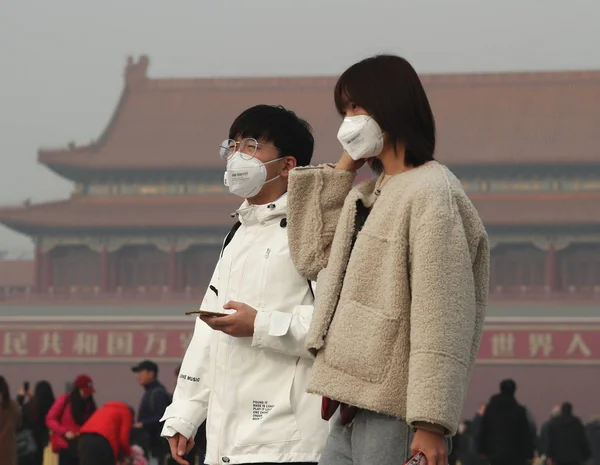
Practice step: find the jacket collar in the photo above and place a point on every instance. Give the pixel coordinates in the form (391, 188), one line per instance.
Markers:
(255, 214)
(152, 384)
(368, 191)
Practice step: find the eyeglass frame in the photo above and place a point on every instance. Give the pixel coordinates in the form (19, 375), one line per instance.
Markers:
(231, 150)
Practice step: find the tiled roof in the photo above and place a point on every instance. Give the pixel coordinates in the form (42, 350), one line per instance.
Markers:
(16, 273)
(517, 118)
(195, 212)
(130, 213)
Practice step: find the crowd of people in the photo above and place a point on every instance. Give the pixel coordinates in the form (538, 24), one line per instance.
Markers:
(504, 432)
(342, 321)
(37, 428)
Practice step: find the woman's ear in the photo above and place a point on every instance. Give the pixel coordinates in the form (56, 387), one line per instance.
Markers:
(290, 164)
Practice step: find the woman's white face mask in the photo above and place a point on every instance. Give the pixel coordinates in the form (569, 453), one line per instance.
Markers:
(361, 136)
(245, 178)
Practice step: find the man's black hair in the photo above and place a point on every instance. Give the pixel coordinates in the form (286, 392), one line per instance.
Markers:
(389, 89)
(508, 387)
(281, 127)
(566, 408)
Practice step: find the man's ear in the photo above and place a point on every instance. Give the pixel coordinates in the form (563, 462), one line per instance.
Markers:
(290, 164)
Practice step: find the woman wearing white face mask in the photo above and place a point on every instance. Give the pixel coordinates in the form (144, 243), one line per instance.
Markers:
(402, 262)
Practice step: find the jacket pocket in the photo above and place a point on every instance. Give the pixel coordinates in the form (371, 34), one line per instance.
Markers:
(360, 341)
(265, 411)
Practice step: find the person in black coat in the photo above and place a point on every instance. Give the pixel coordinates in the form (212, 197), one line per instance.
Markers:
(544, 431)
(593, 434)
(567, 441)
(505, 436)
(35, 407)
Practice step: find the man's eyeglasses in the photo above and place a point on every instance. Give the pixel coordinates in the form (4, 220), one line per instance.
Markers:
(246, 147)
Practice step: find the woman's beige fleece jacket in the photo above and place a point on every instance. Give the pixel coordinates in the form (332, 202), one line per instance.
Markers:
(404, 336)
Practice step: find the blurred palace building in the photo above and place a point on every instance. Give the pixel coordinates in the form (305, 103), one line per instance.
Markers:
(118, 263)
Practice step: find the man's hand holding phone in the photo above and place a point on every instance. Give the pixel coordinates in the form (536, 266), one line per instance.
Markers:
(240, 323)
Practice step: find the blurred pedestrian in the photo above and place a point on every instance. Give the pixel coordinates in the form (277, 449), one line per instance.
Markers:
(67, 416)
(567, 441)
(36, 408)
(105, 436)
(152, 406)
(505, 437)
(10, 421)
(593, 434)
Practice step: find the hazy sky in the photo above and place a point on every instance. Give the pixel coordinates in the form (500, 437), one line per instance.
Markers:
(62, 61)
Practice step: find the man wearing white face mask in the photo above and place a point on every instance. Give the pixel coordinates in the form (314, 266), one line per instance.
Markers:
(247, 371)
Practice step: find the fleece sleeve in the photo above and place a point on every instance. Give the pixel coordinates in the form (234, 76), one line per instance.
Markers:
(444, 313)
(316, 196)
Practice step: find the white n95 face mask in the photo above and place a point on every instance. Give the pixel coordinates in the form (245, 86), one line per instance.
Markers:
(361, 137)
(246, 178)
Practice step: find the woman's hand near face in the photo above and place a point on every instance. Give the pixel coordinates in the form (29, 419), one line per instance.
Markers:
(346, 163)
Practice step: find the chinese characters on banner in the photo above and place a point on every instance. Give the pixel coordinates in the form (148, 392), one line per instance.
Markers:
(38, 342)
(541, 344)
(123, 342)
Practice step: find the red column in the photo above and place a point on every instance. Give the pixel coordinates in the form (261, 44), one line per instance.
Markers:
(48, 271)
(172, 270)
(179, 277)
(113, 273)
(38, 263)
(551, 268)
(104, 276)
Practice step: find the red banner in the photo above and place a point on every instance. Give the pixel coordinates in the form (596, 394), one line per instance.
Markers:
(540, 344)
(93, 342)
(167, 342)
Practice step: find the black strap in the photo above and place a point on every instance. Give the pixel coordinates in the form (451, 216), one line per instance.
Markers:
(310, 287)
(230, 235)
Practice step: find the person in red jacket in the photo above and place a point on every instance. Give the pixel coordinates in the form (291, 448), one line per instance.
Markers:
(105, 436)
(64, 420)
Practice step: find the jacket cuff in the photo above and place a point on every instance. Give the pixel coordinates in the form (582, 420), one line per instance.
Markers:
(270, 324)
(178, 425)
(431, 427)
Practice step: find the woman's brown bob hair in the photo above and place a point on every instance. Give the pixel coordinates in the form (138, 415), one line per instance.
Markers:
(389, 89)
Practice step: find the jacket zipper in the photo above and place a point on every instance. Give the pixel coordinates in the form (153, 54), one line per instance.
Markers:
(263, 280)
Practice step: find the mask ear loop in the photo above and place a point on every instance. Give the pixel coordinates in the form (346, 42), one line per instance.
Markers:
(269, 162)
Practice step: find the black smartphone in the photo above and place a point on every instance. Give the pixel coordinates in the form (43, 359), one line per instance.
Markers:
(26, 386)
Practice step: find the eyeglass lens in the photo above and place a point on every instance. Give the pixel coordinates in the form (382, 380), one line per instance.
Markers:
(246, 147)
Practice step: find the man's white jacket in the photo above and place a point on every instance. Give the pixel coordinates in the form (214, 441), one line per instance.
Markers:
(251, 390)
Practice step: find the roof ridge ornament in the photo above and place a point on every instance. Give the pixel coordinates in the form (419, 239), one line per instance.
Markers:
(136, 72)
